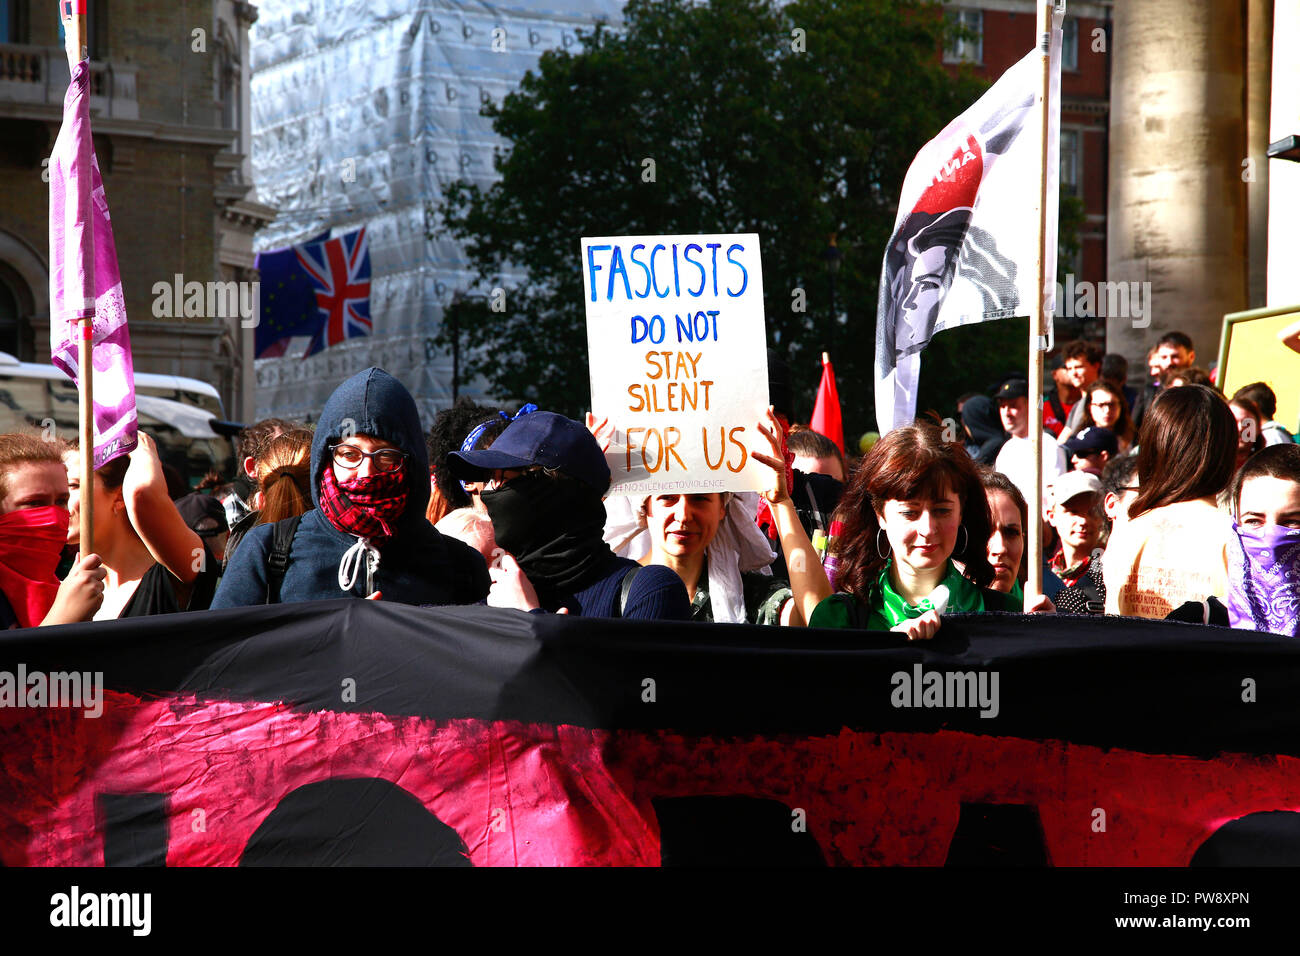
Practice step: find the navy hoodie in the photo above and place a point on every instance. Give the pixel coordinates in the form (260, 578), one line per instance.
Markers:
(417, 565)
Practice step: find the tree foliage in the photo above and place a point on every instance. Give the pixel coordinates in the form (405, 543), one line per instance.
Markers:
(752, 126)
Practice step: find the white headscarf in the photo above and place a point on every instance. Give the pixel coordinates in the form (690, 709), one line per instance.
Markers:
(738, 546)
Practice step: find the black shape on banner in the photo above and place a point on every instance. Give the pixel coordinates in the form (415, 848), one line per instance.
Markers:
(732, 831)
(1270, 838)
(355, 822)
(135, 828)
(998, 834)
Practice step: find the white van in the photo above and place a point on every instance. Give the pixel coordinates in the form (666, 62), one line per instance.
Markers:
(178, 413)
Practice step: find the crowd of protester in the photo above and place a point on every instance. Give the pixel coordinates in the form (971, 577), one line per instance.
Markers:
(1166, 501)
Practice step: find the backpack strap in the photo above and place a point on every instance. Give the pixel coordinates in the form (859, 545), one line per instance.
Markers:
(1095, 604)
(277, 562)
(625, 589)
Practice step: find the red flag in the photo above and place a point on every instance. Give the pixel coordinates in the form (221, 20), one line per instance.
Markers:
(826, 413)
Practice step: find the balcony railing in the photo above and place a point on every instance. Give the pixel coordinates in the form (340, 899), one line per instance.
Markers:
(39, 75)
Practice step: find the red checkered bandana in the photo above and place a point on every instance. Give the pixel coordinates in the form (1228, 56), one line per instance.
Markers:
(365, 507)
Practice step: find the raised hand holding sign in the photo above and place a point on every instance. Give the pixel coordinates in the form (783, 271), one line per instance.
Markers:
(678, 351)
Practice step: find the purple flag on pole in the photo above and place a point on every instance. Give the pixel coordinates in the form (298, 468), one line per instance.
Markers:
(84, 280)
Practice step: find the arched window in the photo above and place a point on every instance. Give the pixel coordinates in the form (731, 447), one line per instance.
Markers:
(17, 337)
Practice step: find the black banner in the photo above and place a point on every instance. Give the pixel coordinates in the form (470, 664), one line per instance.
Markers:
(355, 732)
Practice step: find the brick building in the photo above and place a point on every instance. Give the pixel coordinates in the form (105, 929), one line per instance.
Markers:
(169, 111)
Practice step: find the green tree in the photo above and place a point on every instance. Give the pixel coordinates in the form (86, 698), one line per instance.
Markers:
(796, 122)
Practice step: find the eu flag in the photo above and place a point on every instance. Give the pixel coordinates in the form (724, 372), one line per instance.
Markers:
(288, 298)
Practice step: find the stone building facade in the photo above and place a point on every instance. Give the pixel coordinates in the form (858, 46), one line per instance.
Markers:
(169, 112)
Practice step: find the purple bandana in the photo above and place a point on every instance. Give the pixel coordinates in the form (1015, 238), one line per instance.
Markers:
(1264, 580)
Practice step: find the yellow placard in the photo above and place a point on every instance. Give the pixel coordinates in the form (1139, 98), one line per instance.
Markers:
(1250, 351)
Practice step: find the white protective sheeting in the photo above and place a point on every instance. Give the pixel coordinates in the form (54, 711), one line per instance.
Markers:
(362, 111)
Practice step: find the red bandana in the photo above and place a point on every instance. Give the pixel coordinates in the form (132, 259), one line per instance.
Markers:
(365, 507)
(31, 540)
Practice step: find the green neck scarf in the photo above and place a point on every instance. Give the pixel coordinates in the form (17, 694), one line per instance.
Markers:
(892, 608)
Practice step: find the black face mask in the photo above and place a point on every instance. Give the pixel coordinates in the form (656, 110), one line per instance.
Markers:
(554, 529)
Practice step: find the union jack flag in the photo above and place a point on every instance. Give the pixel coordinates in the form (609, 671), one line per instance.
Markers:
(340, 270)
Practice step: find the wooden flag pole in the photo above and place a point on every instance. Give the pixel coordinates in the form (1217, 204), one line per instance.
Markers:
(73, 15)
(1037, 334)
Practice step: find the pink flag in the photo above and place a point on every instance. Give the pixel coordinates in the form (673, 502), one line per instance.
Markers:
(84, 280)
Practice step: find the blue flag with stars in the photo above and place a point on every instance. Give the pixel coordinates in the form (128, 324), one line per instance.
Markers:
(288, 299)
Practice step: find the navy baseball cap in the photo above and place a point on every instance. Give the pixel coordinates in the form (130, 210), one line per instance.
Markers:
(541, 438)
(1091, 440)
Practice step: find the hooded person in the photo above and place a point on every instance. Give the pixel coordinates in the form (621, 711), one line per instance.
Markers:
(546, 475)
(368, 535)
(980, 416)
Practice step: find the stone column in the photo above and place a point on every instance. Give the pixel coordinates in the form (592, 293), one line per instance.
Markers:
(1259, 60)
(1284, 176)
(1177, 204)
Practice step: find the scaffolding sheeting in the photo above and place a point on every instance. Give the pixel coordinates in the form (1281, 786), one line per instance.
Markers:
(362, 112)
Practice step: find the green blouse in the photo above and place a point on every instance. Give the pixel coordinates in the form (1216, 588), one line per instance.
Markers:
(885, 608)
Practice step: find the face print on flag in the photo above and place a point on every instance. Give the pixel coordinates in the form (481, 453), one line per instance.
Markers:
(965, 239)
(937, 256)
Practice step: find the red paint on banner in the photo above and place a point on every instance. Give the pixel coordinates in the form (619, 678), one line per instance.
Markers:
(536, 794)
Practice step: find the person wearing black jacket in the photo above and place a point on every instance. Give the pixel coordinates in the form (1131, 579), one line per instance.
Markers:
(368, 536)
(545, 476)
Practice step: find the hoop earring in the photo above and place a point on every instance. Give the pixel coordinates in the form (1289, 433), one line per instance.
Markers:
(879, 532)
(964, 541)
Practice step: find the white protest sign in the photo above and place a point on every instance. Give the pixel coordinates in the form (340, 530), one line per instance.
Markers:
(678, 350)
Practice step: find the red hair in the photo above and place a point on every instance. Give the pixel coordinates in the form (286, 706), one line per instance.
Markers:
(910, 462)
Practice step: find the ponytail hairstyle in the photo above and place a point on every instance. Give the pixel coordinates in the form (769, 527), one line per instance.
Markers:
(283, 470)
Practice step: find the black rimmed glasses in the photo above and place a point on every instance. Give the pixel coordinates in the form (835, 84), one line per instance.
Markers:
(350, 456)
